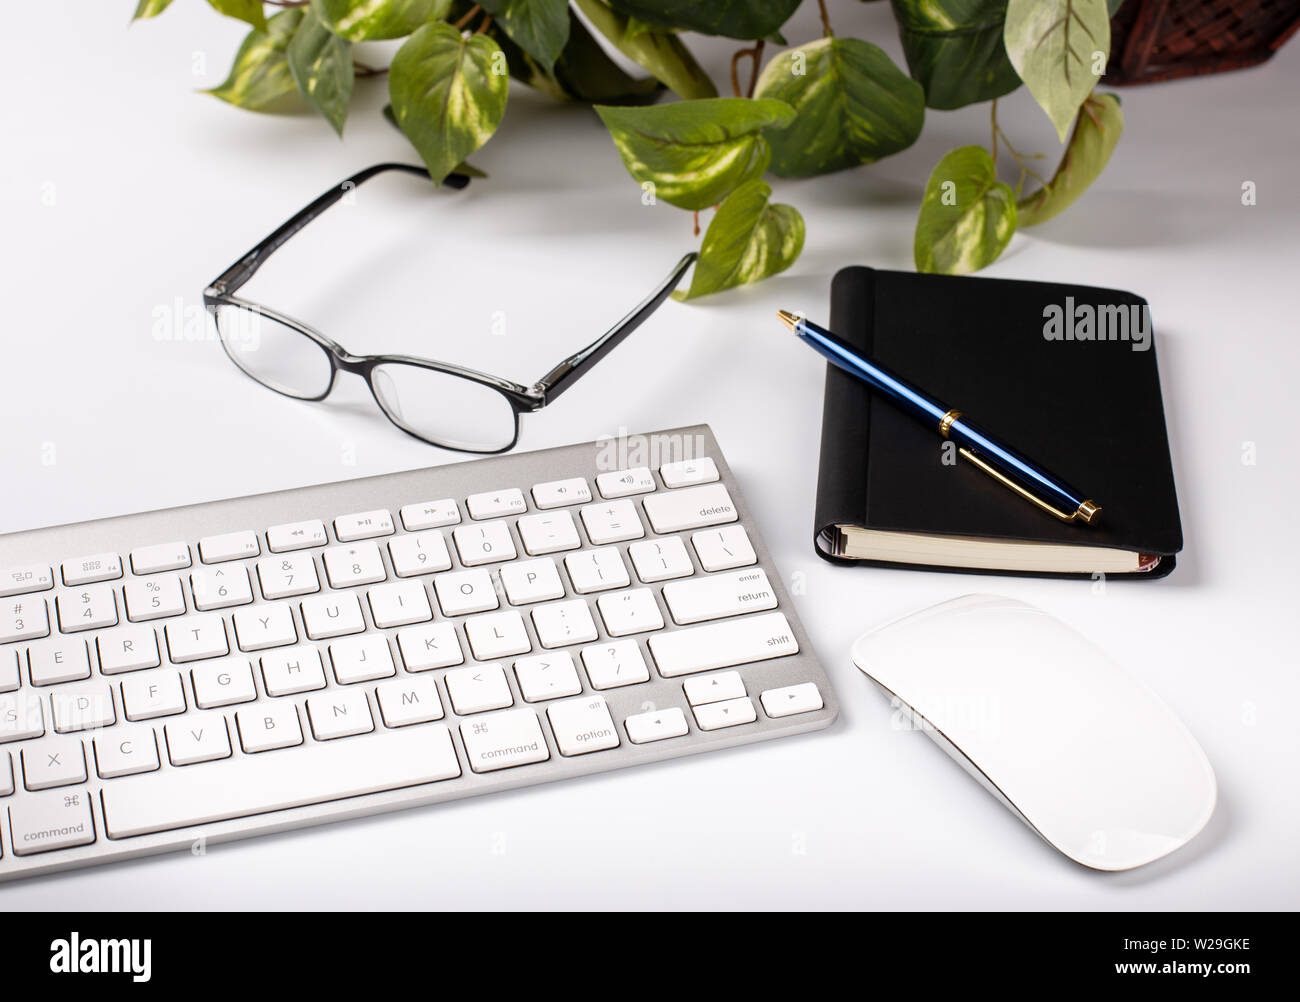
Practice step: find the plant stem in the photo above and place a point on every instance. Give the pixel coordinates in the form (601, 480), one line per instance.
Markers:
(287, 3)
(826, 21)
(758, 58)
(756, 54)
(696, 216)
(487, 23)
(469, 16)
(993, 115)
(362, 70)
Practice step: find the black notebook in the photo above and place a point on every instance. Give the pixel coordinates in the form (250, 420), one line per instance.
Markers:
(1065, 374)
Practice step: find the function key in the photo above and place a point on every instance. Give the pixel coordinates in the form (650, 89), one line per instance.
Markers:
(22, 580)
(559, 493)
(163, 557)
(621, 483)
(230, 546)
(689, 472)
(363, 525)
(430, 514)
(88, 570)
(296, 536)
(491, 504)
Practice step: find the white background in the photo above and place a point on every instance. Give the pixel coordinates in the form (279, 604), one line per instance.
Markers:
(124, 192)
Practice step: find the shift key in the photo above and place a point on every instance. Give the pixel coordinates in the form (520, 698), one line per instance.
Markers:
(722, 645)
(51, 821)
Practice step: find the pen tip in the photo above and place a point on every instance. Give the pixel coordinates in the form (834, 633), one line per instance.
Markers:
(787, 318)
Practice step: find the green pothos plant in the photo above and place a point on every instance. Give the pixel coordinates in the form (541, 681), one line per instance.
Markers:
(829, 104)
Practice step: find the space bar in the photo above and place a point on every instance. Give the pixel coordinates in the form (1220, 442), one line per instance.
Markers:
(276, 780)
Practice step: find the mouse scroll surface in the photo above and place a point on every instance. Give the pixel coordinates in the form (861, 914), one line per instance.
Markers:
(1089, 756)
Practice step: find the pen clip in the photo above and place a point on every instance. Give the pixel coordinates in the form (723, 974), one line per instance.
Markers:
(1086, 512)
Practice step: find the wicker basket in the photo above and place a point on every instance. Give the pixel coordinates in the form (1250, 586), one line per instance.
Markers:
(1166, 39)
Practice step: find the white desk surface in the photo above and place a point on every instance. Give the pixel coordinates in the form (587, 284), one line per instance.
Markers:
(124, 192)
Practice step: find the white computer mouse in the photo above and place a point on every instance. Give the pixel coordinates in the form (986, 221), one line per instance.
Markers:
(1083, 752)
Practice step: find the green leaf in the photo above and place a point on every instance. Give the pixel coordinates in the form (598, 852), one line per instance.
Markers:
(539, 27)
(954, 49)
(748, 239)
(658, 51)
(468, 169)
(1096, 131)
(321, 64)
(696, 152)
(967, 215)
(245, 10)
(150, 8)
(1059, 48)
(449, 92)
(749, 19)
(368, 20)
(260, 79)
(853, 106)
(584, 71)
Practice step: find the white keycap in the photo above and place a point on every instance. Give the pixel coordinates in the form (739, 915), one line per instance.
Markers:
(714, 688)
(725, 548)
(292, 670)
(125, 751)
(154, 598)
(792, 699)
(426, 647)
(21, 716)
(287, 576)
(52, 821)
(160, 557)
(621, 483)
(312, 774)
(612, 522)
(296, 536)
(628, 612)
(6, 775)
(223, 683)
(200, 737)
(357, 564)
(53, 762)
(504, 740)
(558, 493)
(430, 514)
(719, 596)
(656, 725)
(690, 508)
(409, 701)
(661, 559)
(87, 608)
(722, 645)
(196, 637)
(64, 659)
(267, 727)
(562, 623)
(463, 592)
(478, 688)
(10, 676)
(82, 707)
(689, 472)
(419, 553)
(363, 525)
(582, 725)
(362, 659)
(400, 603)
(484, 544)
(597, 570)
(527, 581)
(340, 713)
(258, 627)
(89, 570)
(728, 713)
(228, 546)
(612, 665)
(220, 588)
(549, 532)
(127, 648)
(497, 635)
(153, 694)
(24, 580)
(325, 616)
(24, 619)
(491, 504)
(547, 676)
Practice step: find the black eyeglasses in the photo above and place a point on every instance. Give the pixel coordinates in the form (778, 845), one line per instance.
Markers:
(437, 402)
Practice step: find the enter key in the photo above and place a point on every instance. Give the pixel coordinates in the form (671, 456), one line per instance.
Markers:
(719, 596)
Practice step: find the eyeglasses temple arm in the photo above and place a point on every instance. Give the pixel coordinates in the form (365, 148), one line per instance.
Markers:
(242, 270)
(567, 372)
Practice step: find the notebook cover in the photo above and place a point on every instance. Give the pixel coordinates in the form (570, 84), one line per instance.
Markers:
(1089, 410)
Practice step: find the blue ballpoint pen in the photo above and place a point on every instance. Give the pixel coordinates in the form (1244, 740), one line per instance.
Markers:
(1027, 478)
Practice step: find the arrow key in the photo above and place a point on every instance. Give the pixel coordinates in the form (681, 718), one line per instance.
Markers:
(728, 713)
(656, 725)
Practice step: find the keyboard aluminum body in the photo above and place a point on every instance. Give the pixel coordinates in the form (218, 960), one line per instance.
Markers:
(23, 852)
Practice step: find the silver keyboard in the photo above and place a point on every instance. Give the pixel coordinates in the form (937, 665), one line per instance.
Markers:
(263, 663)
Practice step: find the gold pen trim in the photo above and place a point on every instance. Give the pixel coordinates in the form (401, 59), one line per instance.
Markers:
(1087, 512)
(948, 419)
